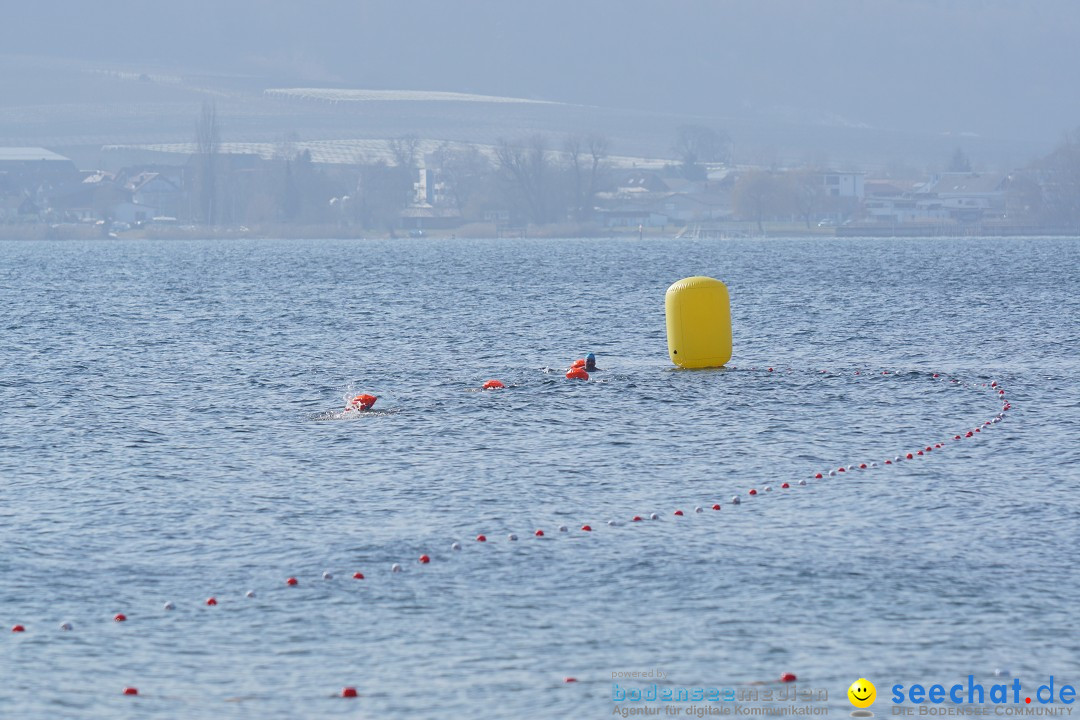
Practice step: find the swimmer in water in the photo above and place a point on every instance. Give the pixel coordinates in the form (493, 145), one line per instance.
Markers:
(590, 363)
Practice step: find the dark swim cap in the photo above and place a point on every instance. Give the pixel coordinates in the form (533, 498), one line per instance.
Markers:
(590, 356)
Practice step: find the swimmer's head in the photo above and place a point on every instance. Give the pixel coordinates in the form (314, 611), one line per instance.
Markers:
(590, 362)
(590, 358)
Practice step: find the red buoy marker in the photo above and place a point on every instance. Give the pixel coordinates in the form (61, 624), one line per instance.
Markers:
(752, 492)
(131, 691)
(424, 559)
(358, 576)
(569, 679)
(586, 528)
(18, 628)
(716, 506)
(348, 692)
(119, 617)
(818, 476)
(788, 677)
(493, 385)
(679, 513)
(292, 581)
(539, 533)
(481, 538)
(636, 518)
(785, 486)
(211, 601)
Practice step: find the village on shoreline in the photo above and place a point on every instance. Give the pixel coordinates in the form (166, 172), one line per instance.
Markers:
(536, 186)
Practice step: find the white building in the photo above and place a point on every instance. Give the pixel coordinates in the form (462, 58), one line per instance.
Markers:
(844, 184)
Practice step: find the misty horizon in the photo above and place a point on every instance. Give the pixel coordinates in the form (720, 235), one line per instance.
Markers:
(867, 81)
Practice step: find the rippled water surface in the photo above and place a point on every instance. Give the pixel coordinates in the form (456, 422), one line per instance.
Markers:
(167, 434)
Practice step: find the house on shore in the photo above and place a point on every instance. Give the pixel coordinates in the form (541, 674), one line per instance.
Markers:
(646, 198)
(966, 197)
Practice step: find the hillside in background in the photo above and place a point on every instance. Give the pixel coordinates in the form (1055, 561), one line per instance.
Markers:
(847, 83)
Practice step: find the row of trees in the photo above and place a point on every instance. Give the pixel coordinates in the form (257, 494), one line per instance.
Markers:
(1048, 191)
(762, 194)
(534, 179)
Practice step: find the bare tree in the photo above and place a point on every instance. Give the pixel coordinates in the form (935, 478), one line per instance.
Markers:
(696, 144)
(760, 194)
(463, 171)
(527, 169)
(572, 154)
(598, 148)
(207, 148)
(959, 162)
(1059, 175)
(405, 149)
(807, 192)
(585, 159)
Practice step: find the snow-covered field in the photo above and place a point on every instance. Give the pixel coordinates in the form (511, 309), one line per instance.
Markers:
(346, 95)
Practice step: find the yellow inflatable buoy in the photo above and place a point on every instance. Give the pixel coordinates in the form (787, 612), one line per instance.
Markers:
(698, 323)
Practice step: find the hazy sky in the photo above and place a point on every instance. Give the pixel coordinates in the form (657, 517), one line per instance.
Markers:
(1004, 68)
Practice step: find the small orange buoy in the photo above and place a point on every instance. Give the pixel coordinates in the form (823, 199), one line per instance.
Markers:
(577, 373)
(348, 692)
(131, 691)
(580, 362)
(362, 402)
(493, 385)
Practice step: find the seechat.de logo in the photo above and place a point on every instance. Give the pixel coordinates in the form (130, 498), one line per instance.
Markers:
(862, 695)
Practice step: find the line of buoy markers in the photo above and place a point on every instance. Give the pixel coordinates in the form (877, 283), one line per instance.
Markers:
(921, 450)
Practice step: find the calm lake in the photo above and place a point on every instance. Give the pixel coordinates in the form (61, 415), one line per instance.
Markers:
(169, 431)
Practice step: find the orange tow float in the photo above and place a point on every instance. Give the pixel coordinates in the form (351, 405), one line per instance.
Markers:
(361, 402)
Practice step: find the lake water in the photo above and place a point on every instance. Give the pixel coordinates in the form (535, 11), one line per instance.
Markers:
(168, 433)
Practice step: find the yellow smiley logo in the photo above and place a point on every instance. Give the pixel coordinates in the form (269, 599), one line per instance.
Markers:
(862, 693)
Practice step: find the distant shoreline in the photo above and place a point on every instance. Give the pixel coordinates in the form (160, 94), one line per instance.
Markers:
(475, 232)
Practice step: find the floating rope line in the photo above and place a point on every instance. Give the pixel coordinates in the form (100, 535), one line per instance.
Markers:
(921, 450)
